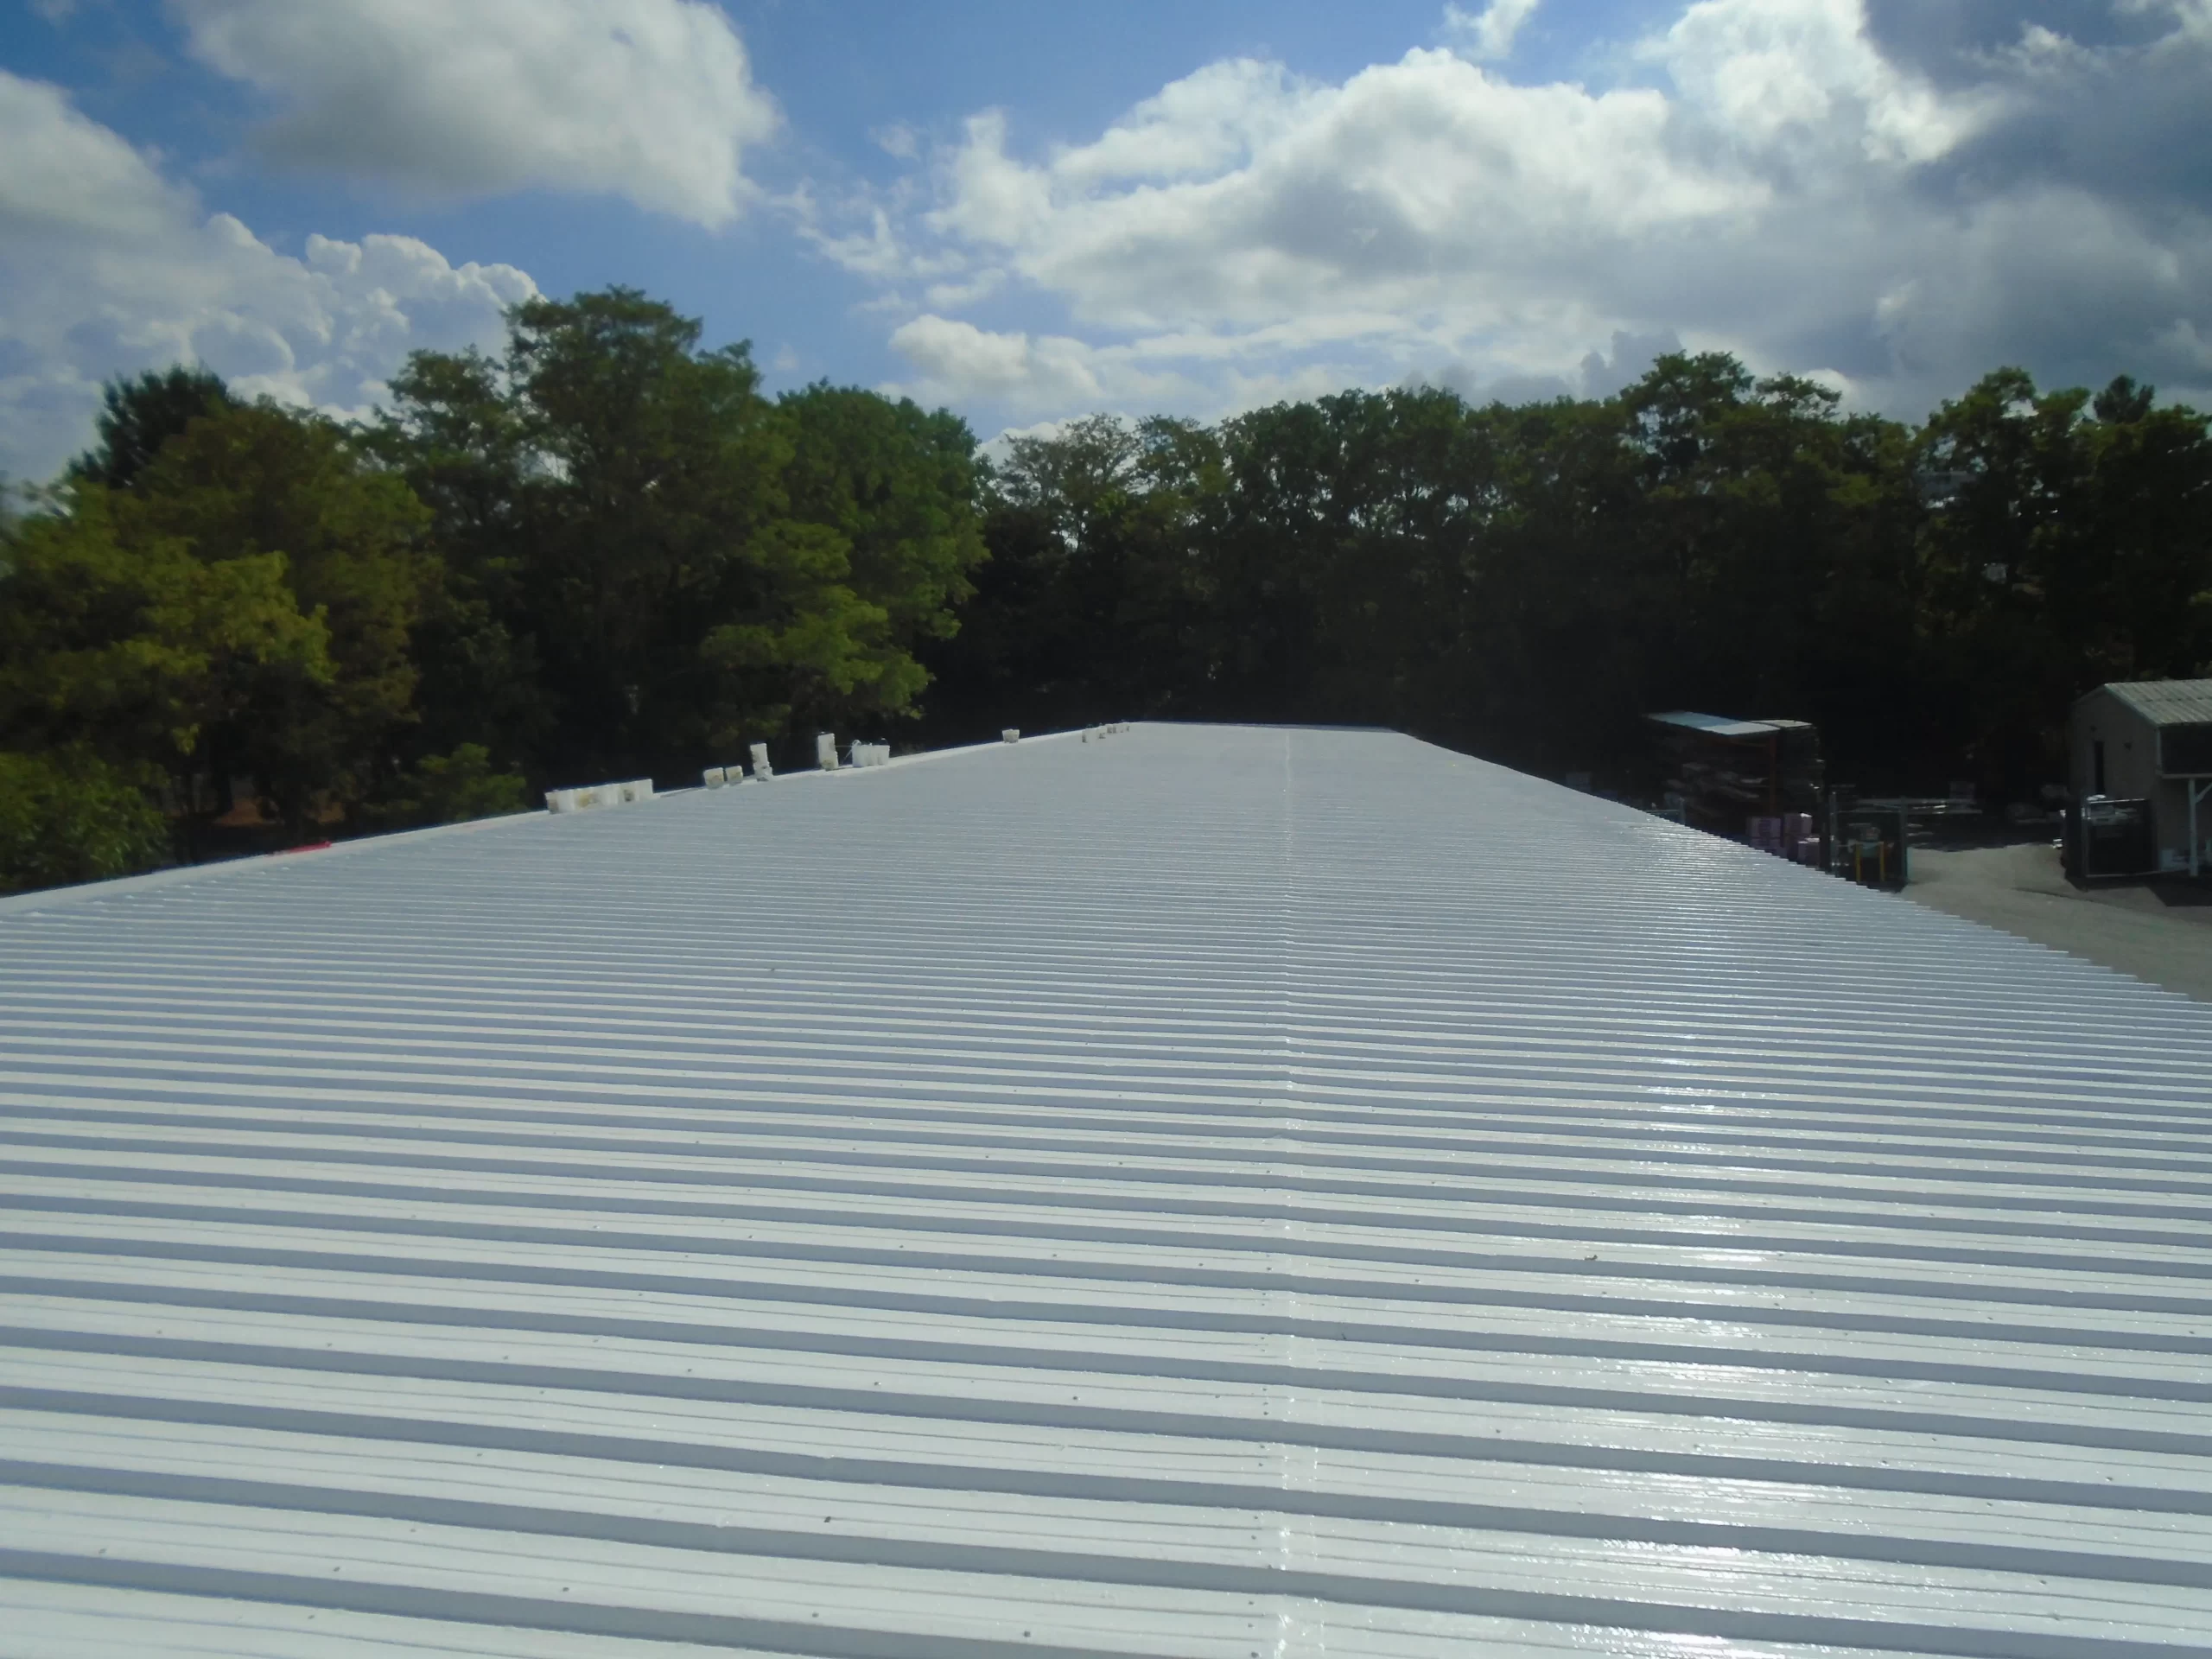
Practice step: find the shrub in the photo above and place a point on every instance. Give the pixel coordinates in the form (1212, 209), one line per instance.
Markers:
(451, 789)
(68, 817)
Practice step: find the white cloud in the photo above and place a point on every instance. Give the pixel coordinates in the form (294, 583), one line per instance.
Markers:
(2192, 19)
(965, 361)
(1781, 74)
(649, 100)
(67, 175)
(1384, 194)
(1000, 450)
(1489, 33)
(875, 250)
(106, 268)
(1778, 184)
(898, 139)
(981, 286)
(960, 363)
(1220, 117)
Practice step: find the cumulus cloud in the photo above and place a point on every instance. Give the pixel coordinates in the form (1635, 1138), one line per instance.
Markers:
(956, 361)
(649, 100)
(107, 268)
(1815, 184)
(1783, 77)
(1245, 232)
(69, 175)
(1265, 199)
(971, 362)
(1491, 32)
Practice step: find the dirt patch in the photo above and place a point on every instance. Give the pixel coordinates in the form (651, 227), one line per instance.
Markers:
(2159, 930)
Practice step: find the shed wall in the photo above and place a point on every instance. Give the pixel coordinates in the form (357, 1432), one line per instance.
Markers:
(2132, 770)
(2131, 747)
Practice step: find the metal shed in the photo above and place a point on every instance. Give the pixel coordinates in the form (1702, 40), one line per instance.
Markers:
(2151, 739)
(1216, 1192)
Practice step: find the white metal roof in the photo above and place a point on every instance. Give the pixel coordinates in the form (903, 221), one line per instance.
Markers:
(1213, 1193)
(1724, 726)
(2166, 702)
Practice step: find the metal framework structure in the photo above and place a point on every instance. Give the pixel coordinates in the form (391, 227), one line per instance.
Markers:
(1214, 1192)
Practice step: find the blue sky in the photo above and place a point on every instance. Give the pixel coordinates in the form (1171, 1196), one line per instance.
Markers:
(1031, 211)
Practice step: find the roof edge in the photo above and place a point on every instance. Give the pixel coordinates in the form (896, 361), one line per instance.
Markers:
(83, 892)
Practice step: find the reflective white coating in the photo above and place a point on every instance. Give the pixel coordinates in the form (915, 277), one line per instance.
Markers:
(1216, 1192)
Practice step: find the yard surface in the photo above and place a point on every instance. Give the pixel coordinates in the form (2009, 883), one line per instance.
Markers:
(2159, 930)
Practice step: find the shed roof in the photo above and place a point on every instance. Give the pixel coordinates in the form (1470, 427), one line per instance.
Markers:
(1722, 725)
(1217, 1193)
(2166, 702)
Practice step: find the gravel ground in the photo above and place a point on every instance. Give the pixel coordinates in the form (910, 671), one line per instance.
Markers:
(2158, 931)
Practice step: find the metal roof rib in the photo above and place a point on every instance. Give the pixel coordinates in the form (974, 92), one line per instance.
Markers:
(1214, 1192)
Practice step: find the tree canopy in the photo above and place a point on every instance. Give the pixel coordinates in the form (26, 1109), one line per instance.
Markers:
(605, 551)
(601, 552)
(138, 416)
(1523, 581)
(683, 564)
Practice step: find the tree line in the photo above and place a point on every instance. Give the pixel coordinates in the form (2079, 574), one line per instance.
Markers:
(601, 552)
(605, 552)
(1525, 582)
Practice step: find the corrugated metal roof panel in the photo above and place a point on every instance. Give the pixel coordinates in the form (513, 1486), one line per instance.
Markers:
(2167, 702)
(1211, 1192)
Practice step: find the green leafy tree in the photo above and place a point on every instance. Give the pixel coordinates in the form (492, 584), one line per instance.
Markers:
(1095, 602)
(1774, 569)
(457, 438)
(679, 562)
(138, 415)
(897, 485)
(68, 816)
(1560, 618)
(654, 474)
(1353, 549)
(116, 639)
(2148, 531)
(2009, 568)
(253, 481)
(452, 789)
